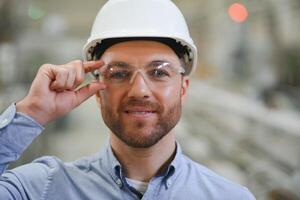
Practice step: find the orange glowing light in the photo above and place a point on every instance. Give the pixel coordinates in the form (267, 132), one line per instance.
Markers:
(238, 12)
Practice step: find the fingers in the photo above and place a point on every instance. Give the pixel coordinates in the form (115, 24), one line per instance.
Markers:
(92, 65)
(62, 79)
(71, 75)
(89, 90)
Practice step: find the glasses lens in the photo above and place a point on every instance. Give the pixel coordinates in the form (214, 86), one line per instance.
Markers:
(156, 73)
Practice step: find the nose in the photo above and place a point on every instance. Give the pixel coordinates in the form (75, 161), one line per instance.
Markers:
(139, 87)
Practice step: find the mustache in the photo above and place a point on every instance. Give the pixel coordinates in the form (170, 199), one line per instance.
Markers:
(130, 103)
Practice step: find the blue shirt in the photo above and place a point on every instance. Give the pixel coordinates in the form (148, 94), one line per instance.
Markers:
(99, 176)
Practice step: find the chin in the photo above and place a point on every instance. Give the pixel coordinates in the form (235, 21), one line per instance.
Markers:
(143, 138)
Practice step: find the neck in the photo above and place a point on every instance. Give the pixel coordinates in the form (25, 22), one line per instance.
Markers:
(144, 163)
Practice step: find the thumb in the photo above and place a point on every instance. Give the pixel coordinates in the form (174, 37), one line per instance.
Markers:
(89, 90)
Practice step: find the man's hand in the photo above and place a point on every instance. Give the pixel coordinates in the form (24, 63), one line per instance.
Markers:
(53, 91)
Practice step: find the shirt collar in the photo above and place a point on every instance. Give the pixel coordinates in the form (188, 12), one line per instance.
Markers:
(114, 167)
(175, 165)
(110, 163)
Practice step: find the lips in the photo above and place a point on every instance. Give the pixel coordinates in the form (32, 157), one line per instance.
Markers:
(139, 108)
(139, 111)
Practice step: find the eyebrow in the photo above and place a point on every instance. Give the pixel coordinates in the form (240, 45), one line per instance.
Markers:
(119, 64)
(158, 62)
(123, 64)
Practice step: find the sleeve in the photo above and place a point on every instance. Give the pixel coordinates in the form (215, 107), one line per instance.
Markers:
(17, 131)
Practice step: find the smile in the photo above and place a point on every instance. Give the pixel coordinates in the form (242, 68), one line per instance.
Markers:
(140, 113)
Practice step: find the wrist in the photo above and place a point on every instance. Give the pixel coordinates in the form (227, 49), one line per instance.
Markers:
(31, 110)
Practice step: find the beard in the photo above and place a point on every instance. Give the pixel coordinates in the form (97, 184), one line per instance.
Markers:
(141, 133)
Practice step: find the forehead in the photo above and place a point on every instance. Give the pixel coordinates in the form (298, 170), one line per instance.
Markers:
(135, 51)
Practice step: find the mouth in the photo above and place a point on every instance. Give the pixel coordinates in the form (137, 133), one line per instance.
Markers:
(133, 112)
(141, 112)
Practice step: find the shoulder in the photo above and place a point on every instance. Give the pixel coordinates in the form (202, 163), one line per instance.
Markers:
(33, 179)
(39, 169)
(52, 165)
(84, 163)
(213, 183)
(38, 178)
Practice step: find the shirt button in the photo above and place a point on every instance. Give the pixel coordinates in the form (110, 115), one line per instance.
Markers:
(169, 182)
(119, 182)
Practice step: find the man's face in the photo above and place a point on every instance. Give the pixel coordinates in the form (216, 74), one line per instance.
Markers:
(139, 113)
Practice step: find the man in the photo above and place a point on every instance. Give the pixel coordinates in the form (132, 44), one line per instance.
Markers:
(141, 55)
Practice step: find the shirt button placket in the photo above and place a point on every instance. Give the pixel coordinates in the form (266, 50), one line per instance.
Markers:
(169, 183)
(119, 183)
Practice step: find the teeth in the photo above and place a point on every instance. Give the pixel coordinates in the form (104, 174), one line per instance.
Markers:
(140, 112)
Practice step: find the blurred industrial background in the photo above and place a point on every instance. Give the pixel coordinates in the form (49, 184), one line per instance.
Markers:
(242, 118)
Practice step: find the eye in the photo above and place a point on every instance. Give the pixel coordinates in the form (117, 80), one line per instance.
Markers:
(159, 73)
(118, 74)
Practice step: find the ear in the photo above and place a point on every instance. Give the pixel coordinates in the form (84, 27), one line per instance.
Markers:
(184, 87)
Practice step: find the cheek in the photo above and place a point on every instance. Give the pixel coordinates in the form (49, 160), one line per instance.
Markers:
(170, 95)
(173, 91)
(109, 99)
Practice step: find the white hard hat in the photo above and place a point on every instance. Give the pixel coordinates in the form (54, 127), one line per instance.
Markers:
(141, 19)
